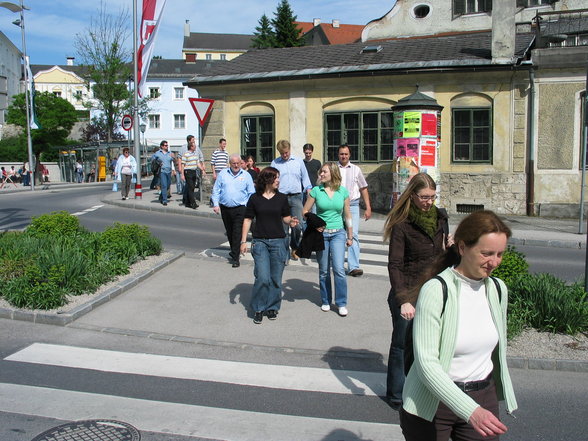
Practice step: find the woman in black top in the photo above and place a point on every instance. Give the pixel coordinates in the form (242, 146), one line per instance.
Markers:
(270, 209)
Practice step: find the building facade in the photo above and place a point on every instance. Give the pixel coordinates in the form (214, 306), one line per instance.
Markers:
(498, 145)
(10, 74)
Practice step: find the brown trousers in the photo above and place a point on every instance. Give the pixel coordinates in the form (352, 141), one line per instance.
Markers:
(446, 424)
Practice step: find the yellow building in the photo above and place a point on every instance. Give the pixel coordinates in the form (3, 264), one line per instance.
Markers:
(510, 128)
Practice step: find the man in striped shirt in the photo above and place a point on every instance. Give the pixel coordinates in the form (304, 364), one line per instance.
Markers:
(220, 158)
(192, 165)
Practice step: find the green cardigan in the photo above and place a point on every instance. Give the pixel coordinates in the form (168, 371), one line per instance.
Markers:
(434, 339)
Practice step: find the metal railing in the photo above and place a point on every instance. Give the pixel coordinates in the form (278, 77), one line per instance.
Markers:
(561, 28)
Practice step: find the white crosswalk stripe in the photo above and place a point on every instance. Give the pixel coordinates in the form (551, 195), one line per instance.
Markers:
(87, 210)
(192, 419)
(373, 258)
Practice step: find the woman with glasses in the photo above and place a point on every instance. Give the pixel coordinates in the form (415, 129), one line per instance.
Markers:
(126, 167)
(418, 232)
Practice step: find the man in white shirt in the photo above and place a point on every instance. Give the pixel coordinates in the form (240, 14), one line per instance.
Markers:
(353, 180)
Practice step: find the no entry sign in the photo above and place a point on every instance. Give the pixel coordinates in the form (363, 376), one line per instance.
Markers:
(127, 122)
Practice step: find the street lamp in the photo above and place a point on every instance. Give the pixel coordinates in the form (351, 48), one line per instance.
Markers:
(21, 24)
(142, 128)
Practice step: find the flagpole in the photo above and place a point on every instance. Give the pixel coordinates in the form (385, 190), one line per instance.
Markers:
(137, 144)
(32, 166)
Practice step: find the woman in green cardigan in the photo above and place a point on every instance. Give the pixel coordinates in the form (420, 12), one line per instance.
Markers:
(459, 372)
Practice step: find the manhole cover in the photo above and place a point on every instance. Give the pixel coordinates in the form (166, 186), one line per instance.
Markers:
(91, 430)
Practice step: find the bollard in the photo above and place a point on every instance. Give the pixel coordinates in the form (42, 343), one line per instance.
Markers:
(138, 191)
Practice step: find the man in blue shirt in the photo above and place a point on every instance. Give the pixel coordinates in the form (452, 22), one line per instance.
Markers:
(293, 182)
(165, 175)
(230, 194)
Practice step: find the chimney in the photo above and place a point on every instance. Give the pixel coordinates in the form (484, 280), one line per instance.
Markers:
(316, 21)
(335, 23)
(187, 28)
(70, 61)
(503, 31)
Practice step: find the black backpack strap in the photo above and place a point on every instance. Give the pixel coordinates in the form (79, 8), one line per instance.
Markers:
(498, 289)
(444, 289)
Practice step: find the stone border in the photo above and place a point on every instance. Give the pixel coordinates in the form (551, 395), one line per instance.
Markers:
(64, 318)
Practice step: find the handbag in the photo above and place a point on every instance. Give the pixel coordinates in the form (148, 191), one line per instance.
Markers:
(115, 186)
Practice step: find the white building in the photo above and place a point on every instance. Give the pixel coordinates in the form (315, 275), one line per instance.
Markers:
(10, 73)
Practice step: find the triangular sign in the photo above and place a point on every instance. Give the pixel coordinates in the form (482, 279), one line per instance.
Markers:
(202, 107)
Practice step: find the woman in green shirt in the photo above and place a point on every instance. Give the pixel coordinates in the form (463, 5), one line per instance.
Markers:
(332, 202)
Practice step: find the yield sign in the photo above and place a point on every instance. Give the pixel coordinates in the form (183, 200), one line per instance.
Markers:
(202, 107)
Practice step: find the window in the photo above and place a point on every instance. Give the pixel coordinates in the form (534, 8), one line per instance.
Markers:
(421, 11)
(257, 137)
(179, 93)
(531, 3)
(223, 57)
(208, 56)
(472, 135)
(462, 7)
(179, 121)
(154, 93)
(368, 134)
(154, 122)
(57, 94)
(78, 95)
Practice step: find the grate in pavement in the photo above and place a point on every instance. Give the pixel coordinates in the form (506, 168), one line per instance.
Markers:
(91, 430)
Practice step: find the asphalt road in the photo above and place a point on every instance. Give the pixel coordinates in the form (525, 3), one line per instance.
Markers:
(195, 234)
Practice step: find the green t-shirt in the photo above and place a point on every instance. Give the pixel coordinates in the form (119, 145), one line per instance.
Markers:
(330, 209)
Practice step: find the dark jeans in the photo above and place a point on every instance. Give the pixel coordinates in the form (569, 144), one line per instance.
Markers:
(192, 181)
(446, 424)
(395, 379)
(233, 220)
(269, 256)
(154, 182)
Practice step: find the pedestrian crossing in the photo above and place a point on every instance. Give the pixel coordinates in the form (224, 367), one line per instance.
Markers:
(373, 257)
(178, 417)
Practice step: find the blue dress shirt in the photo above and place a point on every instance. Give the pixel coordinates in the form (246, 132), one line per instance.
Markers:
(232, 190)
(293, 175)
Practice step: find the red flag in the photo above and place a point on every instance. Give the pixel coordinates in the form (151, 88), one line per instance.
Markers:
(150, 20)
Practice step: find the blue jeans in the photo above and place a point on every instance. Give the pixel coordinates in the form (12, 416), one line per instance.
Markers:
(395, 379)
(269, 256)
(333, 256)
(164, 182)
(353, 250)
(294, 235)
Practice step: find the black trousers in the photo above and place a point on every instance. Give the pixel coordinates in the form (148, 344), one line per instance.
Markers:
(233, 220)
(192, 178)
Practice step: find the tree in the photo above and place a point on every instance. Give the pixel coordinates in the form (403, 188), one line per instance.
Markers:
(287, 34)
(102, 50)
(55, 115)
(264, 34)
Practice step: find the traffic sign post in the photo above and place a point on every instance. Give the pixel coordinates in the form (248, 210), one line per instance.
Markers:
(127, 122)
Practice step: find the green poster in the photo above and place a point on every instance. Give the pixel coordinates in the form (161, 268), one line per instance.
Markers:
(412, 125)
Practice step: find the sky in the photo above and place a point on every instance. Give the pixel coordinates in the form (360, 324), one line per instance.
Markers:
(51, 25)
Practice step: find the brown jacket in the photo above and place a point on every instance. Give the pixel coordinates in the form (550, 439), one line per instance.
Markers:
(410, 251)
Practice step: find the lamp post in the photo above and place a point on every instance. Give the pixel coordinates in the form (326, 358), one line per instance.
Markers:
(21, 24)
(142, 128)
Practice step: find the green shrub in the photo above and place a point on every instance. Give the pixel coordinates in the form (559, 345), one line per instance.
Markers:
(513, 265)
(36, 290)
(56, 257)
(59, 224)
(548, 304)
(129, 242)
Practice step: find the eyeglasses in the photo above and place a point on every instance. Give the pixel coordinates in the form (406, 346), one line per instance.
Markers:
(426, 198)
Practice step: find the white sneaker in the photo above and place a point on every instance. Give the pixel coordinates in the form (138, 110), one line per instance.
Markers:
(343, 311)
(326, 308)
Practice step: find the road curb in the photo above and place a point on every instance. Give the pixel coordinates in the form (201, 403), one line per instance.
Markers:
(129, 203)
(65, 318)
